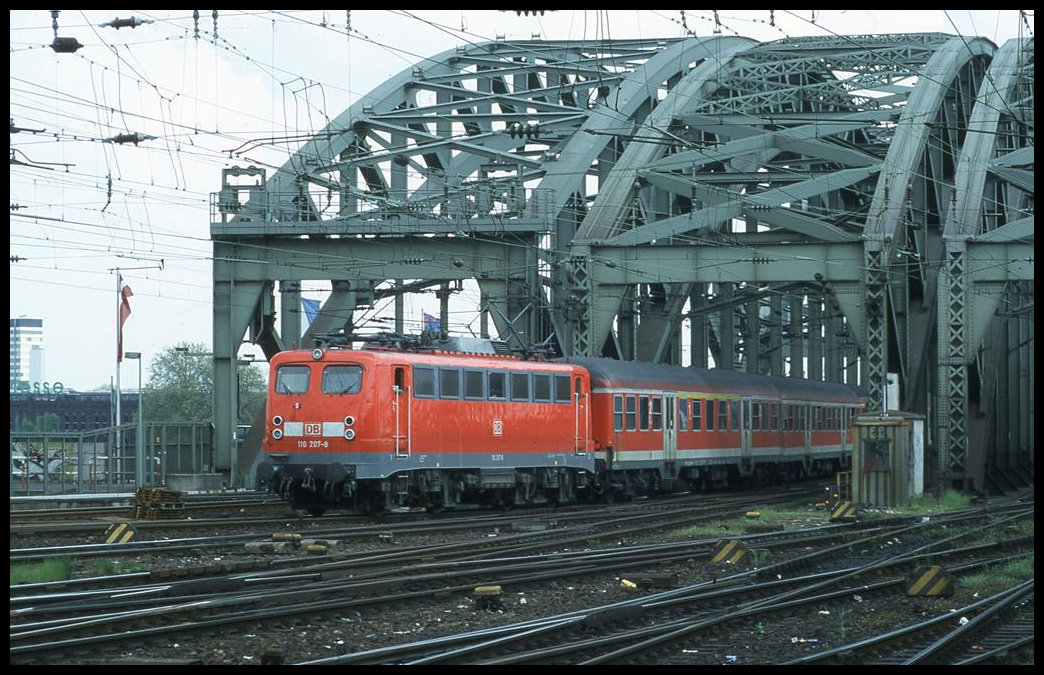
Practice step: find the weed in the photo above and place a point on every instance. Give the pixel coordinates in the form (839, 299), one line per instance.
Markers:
(57, 569)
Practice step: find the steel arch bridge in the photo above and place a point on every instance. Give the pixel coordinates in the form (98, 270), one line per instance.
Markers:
(854, 208)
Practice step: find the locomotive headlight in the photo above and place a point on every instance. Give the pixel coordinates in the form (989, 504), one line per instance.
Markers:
(349, 434)
(349, 421)
(277, 434)
(277, 421)
(317, 353)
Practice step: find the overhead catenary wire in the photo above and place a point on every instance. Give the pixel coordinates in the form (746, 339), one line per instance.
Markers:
(157, 189)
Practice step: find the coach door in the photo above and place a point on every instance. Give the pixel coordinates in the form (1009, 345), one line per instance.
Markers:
(581, 420)
(402, 396)
(670, 434)
(745, 438)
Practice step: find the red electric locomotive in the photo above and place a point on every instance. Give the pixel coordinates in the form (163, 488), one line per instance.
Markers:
(384, 428)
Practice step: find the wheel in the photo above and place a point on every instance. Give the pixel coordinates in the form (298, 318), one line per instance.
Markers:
(315, 511)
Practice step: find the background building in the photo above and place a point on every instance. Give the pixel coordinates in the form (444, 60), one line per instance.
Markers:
(27, 350)
(75, 411)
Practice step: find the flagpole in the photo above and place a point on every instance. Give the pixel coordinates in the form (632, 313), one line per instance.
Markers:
(119, 418)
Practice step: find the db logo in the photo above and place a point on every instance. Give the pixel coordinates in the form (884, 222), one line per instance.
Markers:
(313, 429)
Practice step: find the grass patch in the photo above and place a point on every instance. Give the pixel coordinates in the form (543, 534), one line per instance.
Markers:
(950, 500)
(801, 517)
(1000, 577)
(57, 569)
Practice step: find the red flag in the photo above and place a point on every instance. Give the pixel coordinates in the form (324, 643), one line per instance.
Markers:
(125, 310)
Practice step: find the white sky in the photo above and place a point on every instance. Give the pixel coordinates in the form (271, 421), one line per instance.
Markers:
(271, 75)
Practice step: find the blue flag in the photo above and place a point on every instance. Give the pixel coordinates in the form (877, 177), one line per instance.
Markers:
(430, 322)
(310, 307)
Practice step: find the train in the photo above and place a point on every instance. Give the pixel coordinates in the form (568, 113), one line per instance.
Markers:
(412, 424)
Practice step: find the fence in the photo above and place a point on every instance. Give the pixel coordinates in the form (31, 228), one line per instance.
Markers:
(105, 460)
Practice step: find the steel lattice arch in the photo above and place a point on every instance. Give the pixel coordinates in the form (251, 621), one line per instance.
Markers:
(853, 208)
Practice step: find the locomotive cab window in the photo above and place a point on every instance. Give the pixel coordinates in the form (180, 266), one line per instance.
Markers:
(498, 386)
(342, 379)
(519, 386)
(541, 388)
(474, 381)
(562, 389)
(292, 379)
(449, 383)
(424, 382)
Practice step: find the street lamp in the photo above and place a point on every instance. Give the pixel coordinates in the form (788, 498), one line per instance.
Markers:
(139, 464)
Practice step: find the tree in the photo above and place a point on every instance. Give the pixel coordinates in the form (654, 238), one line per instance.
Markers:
(42, 423)
(181, 386)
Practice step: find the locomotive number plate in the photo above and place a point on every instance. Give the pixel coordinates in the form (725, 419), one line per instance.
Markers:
(498, 427)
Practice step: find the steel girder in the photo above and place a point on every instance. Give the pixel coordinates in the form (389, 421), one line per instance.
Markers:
(988, 241)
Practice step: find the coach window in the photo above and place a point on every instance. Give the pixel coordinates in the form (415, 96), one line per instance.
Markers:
(683, 414)
(519, 386)
(562, 389)
(734, 406)
(697, 417)
(755, 416)
(473, 385)
(424, 382)
(710, 414)
(723, 415)
(342, 379)
(773, 417)
(292, 379)
(643, 413)
(632, 415)
(541, 388)
(498, 386)
(657, 413)
(618, 412)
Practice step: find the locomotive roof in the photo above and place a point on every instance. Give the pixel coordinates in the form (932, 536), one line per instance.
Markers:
(426, 357)
(607, 373)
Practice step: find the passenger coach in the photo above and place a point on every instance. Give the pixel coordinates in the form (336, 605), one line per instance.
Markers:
(664, 427)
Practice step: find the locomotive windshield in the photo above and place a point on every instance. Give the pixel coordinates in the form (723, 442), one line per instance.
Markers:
(342, 379)
(292, 379)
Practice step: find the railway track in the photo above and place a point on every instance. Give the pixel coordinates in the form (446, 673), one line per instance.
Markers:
(82, 619)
